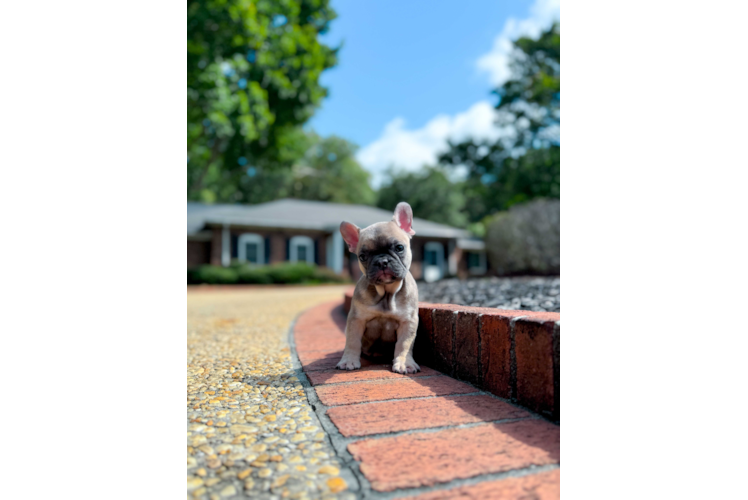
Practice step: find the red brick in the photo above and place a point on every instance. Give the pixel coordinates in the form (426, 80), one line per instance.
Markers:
(455, 307)
(328, 324)
(382, 390)
(395, 416)
(541, 486)
(426, 304)
(437, 319)
(316, 315)
(373, 372)
(307, 354)
(533, 346)
(423, 347)
(428, 458)
(441, 340)
(557, 371)
(322, 360)
(318, 334)
(466, 339)
(323, 343)
(496, 352)
(328, 327)
(488, 310)
(319, 360)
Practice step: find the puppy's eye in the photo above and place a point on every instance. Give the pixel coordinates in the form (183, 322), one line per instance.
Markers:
(399, 248)
(362, 258)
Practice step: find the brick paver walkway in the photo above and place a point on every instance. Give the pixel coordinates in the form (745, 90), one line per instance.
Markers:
(426, 435)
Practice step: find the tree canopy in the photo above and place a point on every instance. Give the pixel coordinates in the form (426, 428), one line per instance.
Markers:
(330, 172)
(524, 163)
(253, 71)
(428, 191)
(326, 171)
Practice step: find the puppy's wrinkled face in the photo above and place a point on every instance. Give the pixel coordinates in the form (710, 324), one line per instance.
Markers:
(384, 253)
(383, 249)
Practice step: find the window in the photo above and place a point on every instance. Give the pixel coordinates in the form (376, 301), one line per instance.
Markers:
(251, 248)
(476, 262)
(252, 252)
(429, 257)
(433, 261)
(473, 259)
(301, 249)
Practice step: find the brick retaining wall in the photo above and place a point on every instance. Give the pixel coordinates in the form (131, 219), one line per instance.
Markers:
(426, 435)
(513, 354)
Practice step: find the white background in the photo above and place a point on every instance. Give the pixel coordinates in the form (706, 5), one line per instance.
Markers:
(654, 236)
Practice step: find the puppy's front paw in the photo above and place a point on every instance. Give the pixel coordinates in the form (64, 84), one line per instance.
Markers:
(405, 366)
(349, 363)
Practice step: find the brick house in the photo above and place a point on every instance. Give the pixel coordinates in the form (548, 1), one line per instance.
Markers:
(300, 230)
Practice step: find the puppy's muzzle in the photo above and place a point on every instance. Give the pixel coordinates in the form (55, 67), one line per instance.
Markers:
(385, 269)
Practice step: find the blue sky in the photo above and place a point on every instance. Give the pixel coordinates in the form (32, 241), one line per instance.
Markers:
(413, 73)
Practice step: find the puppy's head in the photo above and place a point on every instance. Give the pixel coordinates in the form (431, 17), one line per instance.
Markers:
(383, 249)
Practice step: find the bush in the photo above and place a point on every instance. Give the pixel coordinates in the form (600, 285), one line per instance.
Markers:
(526, 239)
(253, 275)
(291, 272)
(325, 275)
(213, 275)
(285, 273)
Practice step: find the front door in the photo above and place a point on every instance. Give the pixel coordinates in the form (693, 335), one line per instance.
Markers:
(433, 261)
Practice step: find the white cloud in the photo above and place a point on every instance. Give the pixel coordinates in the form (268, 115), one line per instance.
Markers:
(496, 62)
(412, 149)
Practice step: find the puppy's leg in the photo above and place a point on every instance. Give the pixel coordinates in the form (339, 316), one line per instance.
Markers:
(406, 336)
(354, 331)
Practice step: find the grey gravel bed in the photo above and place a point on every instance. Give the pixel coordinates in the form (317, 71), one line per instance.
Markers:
(529, 293)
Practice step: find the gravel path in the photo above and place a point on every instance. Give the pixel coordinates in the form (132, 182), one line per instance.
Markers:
(251, 432)
(528, 293)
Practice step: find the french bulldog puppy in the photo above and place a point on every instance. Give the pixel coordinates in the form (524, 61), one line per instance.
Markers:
(385, 302)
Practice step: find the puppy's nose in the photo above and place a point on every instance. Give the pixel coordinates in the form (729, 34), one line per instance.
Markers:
(383, 264)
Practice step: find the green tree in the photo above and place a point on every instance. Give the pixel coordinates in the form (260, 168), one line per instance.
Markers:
(525, 162)
(326, 171)
(429, 192)
(253, 71)
(329, 172)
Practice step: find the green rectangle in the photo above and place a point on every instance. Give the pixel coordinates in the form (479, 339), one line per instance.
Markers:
(659, 462)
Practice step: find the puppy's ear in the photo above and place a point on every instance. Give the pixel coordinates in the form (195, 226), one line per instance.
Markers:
(350, 235)
(404, 217)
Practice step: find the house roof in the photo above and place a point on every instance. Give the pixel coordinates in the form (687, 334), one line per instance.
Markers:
(303, 214)
(471, 244)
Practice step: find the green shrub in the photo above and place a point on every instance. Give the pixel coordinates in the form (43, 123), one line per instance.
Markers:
(285, 273)
(254, 275)
(291, 272)
(325, 275)
(214, 275)
(526, 239)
